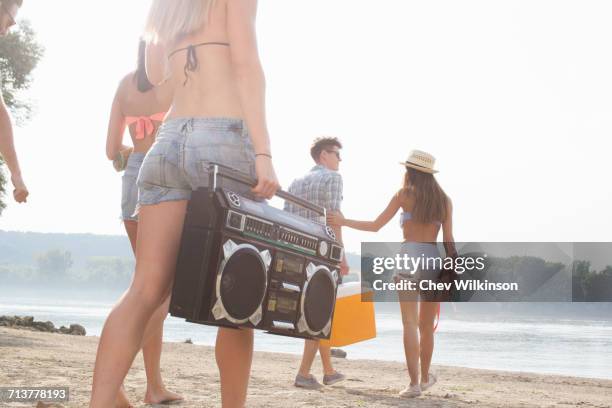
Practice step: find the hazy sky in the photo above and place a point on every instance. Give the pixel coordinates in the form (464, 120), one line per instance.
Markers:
(514, 98)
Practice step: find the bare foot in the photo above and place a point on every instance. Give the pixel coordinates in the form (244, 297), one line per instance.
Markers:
(161, 396)
(122, 400)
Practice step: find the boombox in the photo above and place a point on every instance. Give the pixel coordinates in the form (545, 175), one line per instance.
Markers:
(244, 263)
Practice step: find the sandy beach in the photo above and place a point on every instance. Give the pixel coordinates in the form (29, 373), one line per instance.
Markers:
(45, 359)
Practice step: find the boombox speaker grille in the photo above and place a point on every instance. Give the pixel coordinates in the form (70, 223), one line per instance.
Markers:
(241, 283)
(319, 300)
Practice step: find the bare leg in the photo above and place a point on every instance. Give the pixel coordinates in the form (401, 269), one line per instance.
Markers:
(325, 352)
(234, 353)
(152, 346)
(310, 351)
(151, 351)
(411, 338)
(122, 400)
(427, 315)
(131, 227)
(159, 233)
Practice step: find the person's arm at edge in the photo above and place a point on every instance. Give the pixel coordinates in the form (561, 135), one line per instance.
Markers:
(9, 155)
(7, 144)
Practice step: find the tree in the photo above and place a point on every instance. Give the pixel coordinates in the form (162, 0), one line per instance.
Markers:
(19, 55)
(54, 264)
(110, 271)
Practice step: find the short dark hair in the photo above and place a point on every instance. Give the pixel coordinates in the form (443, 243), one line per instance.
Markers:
(323, 143)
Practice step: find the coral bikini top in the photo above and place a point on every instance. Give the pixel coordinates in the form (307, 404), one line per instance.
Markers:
(144, 124)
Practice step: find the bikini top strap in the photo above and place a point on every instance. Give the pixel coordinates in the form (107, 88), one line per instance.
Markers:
(192, 62)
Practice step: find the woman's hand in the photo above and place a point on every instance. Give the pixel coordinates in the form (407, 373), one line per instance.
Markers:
(120, 161)
(335, 219)
(267, 182)
(20, 193)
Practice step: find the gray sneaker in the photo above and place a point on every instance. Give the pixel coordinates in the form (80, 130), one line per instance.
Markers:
(309, 383)
(333, 378)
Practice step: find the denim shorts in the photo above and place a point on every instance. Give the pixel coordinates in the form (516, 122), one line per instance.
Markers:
(177, 163)
(129, 190)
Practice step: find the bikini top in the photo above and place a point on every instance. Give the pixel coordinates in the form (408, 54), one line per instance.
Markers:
(407, 215)
(192, 62)
(144, 124)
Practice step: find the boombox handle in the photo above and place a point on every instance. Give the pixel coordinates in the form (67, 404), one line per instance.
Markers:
(219, 170)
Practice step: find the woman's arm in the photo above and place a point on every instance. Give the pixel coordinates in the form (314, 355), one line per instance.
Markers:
(116, 128)
(251, 85)
(7, 145)
(9, 155)
(156, 63)
(373, 226)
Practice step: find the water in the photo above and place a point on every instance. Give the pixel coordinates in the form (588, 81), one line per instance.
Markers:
(580, 348)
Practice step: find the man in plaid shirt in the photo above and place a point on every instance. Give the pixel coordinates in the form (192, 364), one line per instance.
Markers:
(322, 185)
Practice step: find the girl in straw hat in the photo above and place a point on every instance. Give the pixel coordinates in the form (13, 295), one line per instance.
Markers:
(425, 210)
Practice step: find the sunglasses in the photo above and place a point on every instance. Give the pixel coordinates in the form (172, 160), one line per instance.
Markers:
(337, 153)
(11, 17)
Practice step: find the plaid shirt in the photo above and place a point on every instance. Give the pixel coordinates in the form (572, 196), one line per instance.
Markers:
(320, 186)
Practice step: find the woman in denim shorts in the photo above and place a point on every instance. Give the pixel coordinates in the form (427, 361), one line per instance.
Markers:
(140, 107)
(206, 51)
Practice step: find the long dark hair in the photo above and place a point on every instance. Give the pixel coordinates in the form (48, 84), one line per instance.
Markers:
(430, 201)
(140, 76)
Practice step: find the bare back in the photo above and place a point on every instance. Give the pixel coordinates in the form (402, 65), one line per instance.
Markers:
(209, 90)
(134, 103)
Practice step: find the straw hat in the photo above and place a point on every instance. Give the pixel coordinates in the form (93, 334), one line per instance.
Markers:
(421, 161)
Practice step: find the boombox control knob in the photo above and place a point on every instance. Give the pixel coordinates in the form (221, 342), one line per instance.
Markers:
(330, 232)
(234, 199)
(323, 248)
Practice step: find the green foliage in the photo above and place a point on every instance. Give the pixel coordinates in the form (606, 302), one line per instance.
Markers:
(109, 271)
(54, 264)
(18, 274)
(589, 285)
(19, 55)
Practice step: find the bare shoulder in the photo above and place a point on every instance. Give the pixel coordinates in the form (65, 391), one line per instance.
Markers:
(123, 88)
